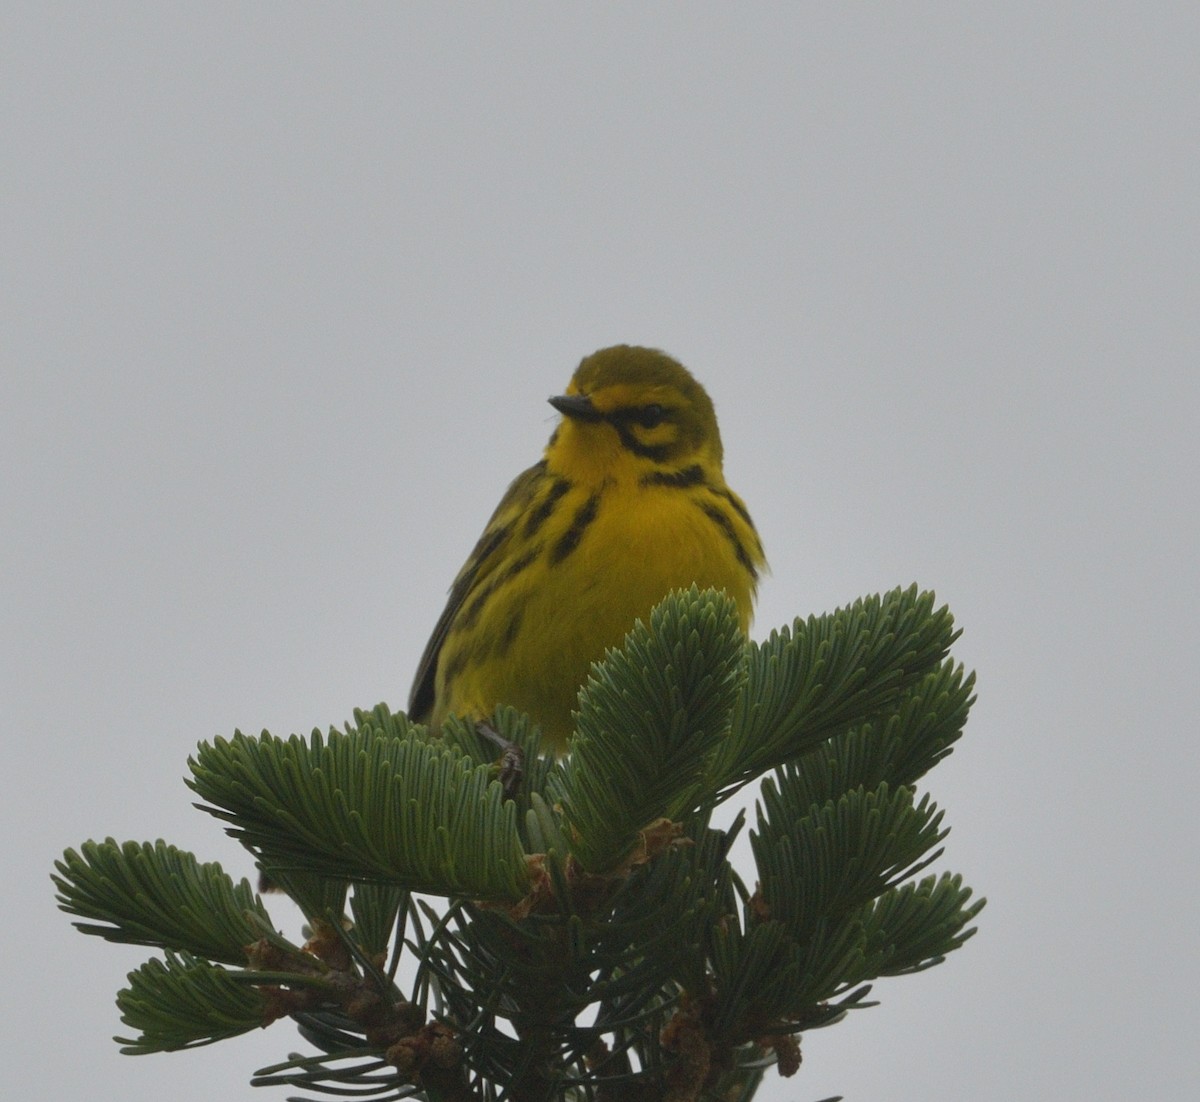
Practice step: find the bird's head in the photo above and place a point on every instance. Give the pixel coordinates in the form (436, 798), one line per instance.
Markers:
(635, 406)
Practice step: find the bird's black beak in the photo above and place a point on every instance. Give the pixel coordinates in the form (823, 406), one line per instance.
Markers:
(578, 406)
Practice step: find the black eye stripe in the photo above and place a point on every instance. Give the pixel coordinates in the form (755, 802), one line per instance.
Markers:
(648, 416)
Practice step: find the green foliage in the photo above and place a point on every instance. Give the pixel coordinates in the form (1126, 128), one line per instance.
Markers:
(182, 1002)
(824, 675)
(650, 717)
(154, 894)
(586, 936)
(379, 801)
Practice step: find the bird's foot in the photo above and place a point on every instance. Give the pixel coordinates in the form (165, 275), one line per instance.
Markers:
(512, 760)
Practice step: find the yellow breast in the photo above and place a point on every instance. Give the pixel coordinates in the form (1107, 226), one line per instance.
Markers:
(603, 557)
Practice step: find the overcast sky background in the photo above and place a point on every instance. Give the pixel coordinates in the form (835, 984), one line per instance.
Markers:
(286, 288)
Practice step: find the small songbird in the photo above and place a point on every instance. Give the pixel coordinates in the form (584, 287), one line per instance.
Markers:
(627, 503)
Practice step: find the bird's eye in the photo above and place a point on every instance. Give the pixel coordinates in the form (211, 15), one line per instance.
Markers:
(651, 415)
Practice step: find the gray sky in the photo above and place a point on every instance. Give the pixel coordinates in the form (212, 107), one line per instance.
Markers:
(286, 287)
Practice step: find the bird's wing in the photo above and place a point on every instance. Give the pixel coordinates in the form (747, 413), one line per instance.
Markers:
(488, 552)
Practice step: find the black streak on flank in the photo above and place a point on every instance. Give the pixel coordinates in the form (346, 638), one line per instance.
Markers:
(541, 514)
(454, 668)
(511, 630)
(726, 525)
(471, 612)
(488, 543)
(584, 515)
(735, 505)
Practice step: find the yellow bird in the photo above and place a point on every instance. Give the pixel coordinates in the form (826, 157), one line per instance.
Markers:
(627, 503)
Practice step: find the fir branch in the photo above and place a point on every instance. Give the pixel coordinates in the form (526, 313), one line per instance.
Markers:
(154, 894)
(820, 862)
(930, 721)
(765, 983)
(650, 716)
(825, 674)
(318, 896)
(897, 747)
(817, 925)
(597, 944)
(376, 909)
(366, 804)
(914, 926)
(752, 976)
(182, 1002)
(349, 1073)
